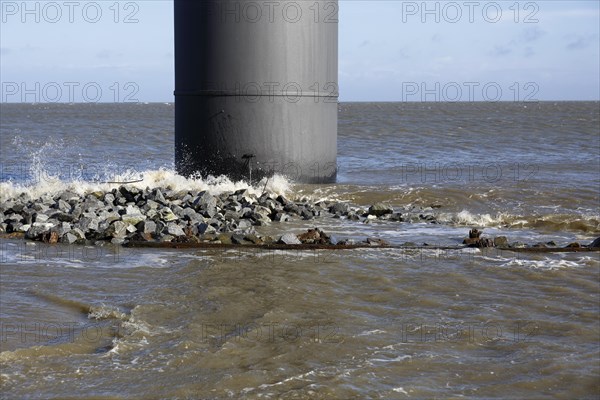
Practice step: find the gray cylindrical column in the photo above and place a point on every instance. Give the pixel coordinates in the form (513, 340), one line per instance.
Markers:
(256, 88)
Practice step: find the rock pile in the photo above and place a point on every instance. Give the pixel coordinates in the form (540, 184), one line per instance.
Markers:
(164, 215)
(475, 240)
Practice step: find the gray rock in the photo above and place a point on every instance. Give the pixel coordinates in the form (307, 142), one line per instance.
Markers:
(14, 218)
(41, 207)
(187, 198)
(175, 230)
(238, 239)
(151, 205)
(380, 209)
(202, 228)
(38, 217)
(68, 238)
(62, 228)
(231, 215)
(109, 199)
(204, 201)
(37, 230)
(78, 232)
(14, 226)
(292, 208)
(166, 238)
(339, 208)
(396, 217)
(281, 217)
(68, 196)
(62, 217)
(244, 224)
(595, 243)
(472, 242)
(133, 215)
(474, 233)
(190, 215)
(247, 199)
(146, 226)
(117, 241)
(501, 241)
(210, 212)
(63, 206)
(158, 197)
(167, 215)
(117, 229)
(225, 238)
(281, 199)
(289, 238)
(152, 214)
(86, 224)
(128, 193)
(233, 206)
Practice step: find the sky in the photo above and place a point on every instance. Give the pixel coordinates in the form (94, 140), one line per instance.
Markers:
(119, 51)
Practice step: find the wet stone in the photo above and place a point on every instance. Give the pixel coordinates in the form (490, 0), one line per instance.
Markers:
(254, 239)
(167, 215)
(166, 238)
(37, 230)
(225, 238)
(63, 217)
(68, 238)
(238, 239)
(380, 209)
(38, 217)
(63, 206)
(117, 229)
(86, 224)
(281, 217)
(339, 208)
(174, 229)
(289, 238)
(147, 226)
(62, 228)
(109, 199)
(474, 233)
(501, 241)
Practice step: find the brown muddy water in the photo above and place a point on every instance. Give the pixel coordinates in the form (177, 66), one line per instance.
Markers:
(111, 322)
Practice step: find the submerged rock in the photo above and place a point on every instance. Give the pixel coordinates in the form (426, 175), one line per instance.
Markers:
(474, 233)
(501, 241)
(339, 208)
(380, 209)
(316, 236)
(475, 240)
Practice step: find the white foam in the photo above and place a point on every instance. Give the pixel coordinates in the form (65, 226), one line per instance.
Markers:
(466, 218)
(371, 332)
(161, 178)
(546, 264)
(400, 390)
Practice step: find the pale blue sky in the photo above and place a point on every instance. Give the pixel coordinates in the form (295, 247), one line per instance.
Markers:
(387, 52)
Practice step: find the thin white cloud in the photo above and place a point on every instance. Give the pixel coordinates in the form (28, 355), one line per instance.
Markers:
(578, 42)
